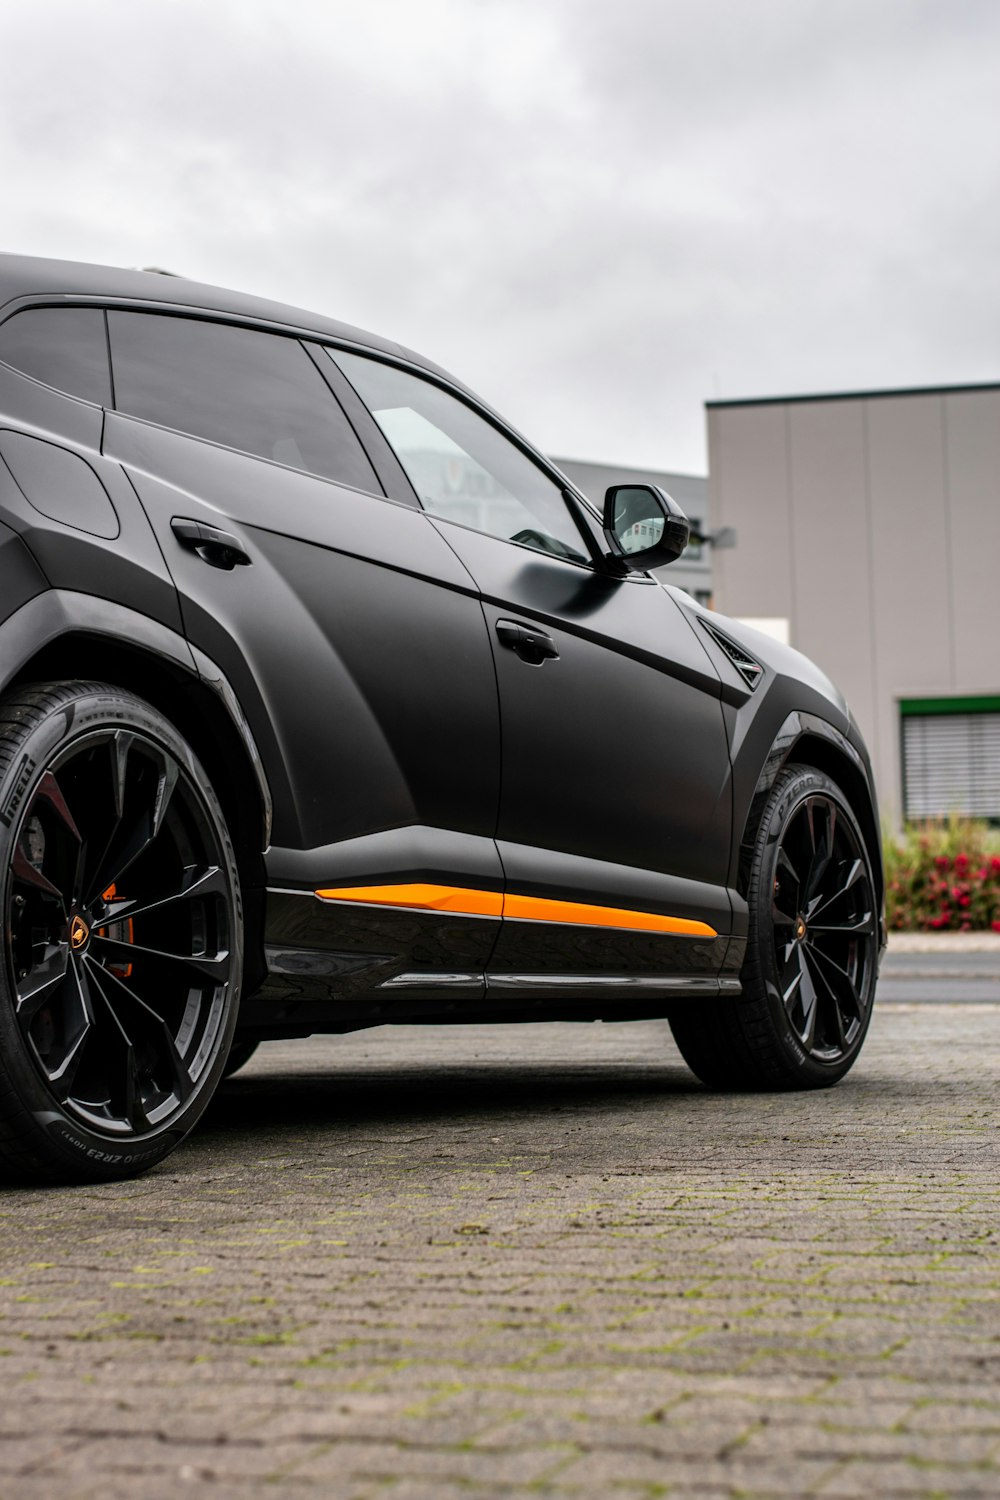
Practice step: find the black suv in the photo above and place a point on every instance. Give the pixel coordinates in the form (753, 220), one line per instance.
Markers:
(328, 702)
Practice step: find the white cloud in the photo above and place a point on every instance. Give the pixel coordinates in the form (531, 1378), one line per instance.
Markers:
(598, 213)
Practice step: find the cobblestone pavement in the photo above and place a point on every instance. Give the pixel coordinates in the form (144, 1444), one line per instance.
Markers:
(473, 1262)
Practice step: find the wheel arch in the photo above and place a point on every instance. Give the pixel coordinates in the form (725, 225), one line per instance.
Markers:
(202, 707)
(807, 740)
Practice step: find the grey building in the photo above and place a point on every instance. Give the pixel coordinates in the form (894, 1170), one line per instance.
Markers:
(693, 571)
(870, 524)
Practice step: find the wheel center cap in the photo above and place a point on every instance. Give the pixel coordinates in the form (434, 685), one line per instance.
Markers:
(79, 934)
(800, 929)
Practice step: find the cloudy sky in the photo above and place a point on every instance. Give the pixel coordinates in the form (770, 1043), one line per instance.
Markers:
(599, 213)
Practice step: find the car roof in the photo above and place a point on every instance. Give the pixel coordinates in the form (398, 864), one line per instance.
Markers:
(34, 276)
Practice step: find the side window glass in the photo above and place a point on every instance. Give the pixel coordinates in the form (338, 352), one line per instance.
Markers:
(65, 347)
(258, 392)
(461, 467)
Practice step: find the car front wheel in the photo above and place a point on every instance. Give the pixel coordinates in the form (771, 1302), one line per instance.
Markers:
(123, 935)
(812, 951)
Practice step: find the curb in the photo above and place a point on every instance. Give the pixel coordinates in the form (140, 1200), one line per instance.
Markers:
(944, 942)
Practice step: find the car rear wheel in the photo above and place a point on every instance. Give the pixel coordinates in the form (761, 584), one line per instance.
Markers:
(812, 951)
(123, 935)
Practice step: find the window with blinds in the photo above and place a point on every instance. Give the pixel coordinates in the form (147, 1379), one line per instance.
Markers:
(951, 757)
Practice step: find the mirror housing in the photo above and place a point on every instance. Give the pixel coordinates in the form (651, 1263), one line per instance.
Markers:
(643, 527)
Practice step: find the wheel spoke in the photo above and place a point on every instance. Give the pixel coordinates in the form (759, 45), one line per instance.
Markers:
(855, 873)
(784, 862)
(135, 1106)
(787, 885)
(197, 883)
(832, 1008)
(49, 794)
(169, 774)
(790, 994)
(77, 1032)
(63, 1076)
(155, 1025)
(26, 873)
(214, 966)
(809, 1000)
(135, 827)
(863, 926)
(822, 842)
(119, 746)
(838, 980)
(42, 981)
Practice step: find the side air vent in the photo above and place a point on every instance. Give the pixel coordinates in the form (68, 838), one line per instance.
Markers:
(751, 671)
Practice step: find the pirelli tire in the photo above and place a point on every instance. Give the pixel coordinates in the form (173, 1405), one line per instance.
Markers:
(812, 953)
(123, 935)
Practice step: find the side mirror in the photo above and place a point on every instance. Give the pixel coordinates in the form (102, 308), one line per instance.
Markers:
(643, 526)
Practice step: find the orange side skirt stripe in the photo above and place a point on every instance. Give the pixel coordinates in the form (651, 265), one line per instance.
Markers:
(535, 909)
(451, 898)
(461, 901)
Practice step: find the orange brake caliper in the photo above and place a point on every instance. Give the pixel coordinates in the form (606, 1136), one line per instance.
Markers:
(120, 932)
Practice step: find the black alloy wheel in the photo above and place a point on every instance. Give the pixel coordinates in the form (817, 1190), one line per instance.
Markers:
(812, 950)
(123, 935)
(823, 928)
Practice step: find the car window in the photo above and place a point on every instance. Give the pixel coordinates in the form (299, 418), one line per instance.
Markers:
(66, 347)
(251, 390)
(460, 466)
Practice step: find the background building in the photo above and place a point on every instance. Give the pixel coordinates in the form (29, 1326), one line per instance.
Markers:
(693, 570)
(870, 522)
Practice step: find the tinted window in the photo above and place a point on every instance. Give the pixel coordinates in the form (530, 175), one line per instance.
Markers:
(255, 391)
(461, 467)
(64, 346)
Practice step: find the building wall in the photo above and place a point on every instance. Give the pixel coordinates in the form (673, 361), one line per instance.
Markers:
(872, 523)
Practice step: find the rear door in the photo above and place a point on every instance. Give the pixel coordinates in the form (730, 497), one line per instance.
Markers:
(615, 788)
(348, 628)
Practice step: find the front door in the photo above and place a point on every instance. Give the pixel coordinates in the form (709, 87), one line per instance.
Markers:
(615, 786)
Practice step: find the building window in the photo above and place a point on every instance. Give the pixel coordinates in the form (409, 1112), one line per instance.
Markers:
(951, 757)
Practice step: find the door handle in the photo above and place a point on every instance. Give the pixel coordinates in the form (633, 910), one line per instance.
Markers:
(220, 549)
(526, 641)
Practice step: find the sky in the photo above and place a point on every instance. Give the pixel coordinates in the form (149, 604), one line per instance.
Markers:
(597, 213)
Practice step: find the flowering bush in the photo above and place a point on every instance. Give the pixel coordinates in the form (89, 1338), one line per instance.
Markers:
(943, 877)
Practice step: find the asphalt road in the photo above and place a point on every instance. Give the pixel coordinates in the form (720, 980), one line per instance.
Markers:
(465, 1263)
(943, 978)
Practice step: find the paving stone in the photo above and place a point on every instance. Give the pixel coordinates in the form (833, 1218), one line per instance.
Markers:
(492, 1261)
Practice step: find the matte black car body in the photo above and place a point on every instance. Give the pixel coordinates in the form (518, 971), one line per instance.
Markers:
(345, 666)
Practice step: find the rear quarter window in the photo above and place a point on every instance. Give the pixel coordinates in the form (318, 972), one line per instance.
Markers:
(65, 347)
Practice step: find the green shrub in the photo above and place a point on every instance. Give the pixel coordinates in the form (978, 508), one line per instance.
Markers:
(943, 877)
